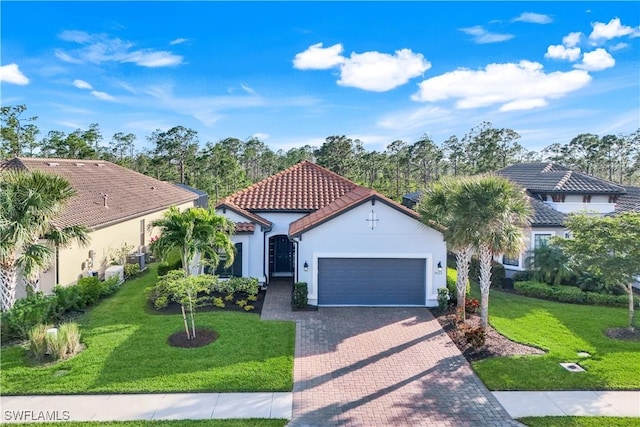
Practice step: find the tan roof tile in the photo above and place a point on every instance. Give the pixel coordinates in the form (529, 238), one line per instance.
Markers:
(128, 193)
(245, 227)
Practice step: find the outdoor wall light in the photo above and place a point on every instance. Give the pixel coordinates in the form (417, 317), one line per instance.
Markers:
(306, 266)
(439, 267)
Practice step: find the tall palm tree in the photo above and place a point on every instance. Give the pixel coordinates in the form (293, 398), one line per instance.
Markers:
(497, 212)
(29, 204)
(193, 231)
(441, 204)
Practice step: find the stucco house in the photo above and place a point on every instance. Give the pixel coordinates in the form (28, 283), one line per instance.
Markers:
(555, 191)
(115, 203)
(350, 244)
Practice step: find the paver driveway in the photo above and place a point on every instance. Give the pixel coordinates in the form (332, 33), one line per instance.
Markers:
(361, 366)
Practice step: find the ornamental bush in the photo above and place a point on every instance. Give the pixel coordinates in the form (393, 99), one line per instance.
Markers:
(300, 295)
(570, 294)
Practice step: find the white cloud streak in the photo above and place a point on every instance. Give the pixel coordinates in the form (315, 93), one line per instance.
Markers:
(11, 73)
(102, 95)
(482, 36)
(373, 71)
(178, 41)
(81, 84)
(611, 30)
(534, 18)
(99, 48)
(513, 86)
(561, 52)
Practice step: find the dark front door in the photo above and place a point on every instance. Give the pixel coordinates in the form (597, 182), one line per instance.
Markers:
(280, 256)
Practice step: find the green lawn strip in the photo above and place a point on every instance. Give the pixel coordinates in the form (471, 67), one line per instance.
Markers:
(127, 352)
(580, 421)
(562, 330)
(248, 422)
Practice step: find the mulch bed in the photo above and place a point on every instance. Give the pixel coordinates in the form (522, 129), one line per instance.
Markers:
(623, 334)
(174, 308)
(203, 337)
(495, 344)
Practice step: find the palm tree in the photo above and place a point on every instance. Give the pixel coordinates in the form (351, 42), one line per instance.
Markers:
(29, 204)
(441, 204)
(497, 212)
(549, 264)
(193, 231)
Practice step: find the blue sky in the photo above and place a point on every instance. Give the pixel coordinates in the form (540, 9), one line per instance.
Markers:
(293, 73)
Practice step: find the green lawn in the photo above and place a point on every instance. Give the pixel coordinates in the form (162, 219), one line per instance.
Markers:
(580, 422)
(127, 352)
(562, 330)
(250, 422)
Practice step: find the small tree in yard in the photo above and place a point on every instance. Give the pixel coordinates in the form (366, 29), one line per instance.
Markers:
(607, 247)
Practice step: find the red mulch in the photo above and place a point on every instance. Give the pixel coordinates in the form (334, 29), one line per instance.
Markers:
(495, 344)
(202, 338)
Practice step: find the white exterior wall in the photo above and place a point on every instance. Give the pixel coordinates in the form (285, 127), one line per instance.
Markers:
(529, 239)
(574, 203)
(252, 251)
(395, 235)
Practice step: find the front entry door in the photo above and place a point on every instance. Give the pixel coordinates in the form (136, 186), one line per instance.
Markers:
(280, 256)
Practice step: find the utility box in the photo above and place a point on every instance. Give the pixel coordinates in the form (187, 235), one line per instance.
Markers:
(139, 259)
(115, 270)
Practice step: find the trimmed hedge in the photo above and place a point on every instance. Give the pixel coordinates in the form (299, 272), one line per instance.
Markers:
(570, 294)
(300, 295)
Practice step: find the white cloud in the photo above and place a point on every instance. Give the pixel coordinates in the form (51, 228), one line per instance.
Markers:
(261, 136)
(596, 60)
(248, 89)
(534, 18)
(374, 71)
(560, 52)
(522, 85)
(482, 36)
(11, 73)
(178, 41)
(572, 39)
(99, 48)
(153, 59)
(613, 29)
(81, 84)
(618, 46)
(318, 58)
(102, 95)
(380, 72)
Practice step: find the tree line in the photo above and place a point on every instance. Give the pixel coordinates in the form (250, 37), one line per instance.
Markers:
(225, 166)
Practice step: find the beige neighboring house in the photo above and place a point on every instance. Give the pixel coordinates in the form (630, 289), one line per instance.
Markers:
(115, 203)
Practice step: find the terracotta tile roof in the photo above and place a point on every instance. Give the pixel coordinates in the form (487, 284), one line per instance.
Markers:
(129, 194)
(304, 187)
(245, 227)
(350, 200)
(553, 178)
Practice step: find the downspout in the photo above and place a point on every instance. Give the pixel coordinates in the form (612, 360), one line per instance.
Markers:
(265, 253)
(297, 243)
(57, 265)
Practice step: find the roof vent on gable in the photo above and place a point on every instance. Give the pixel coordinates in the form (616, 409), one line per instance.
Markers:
(53, 164)
(105, 196)
(79, 164)
(100, 165)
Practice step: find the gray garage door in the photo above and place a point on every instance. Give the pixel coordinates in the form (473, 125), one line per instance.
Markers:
(371, 281)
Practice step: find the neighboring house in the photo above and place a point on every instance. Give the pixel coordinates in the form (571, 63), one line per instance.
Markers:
(115, 203)
(554, 192)
(351, 245)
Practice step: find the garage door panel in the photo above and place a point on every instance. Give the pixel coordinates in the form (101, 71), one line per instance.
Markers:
(371, 281)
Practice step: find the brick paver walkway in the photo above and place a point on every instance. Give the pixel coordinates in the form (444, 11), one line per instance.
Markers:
(360, 366)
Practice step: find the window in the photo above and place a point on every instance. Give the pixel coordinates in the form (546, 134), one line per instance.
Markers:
(557, 198)
(234, 269)
(540, 240)
(586, 198)
(515, 262)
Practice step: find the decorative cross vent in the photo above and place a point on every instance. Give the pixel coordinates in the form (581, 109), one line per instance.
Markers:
(372, 219)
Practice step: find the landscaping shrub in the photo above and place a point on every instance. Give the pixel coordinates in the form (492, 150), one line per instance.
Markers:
(300, 295)
(497, 273)
(131, 269)
(452, 278)
(471, 305)
(25, 314)
(443, 298)
(523, 276)
(64, 344)
(166, 267)
(570, 294)
(67, 298)
(248, 285)
(89, 289)
(475, 336)
(165, 290)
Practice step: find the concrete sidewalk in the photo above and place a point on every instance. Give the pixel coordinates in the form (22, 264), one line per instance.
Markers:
(570, 403)
(124, 407)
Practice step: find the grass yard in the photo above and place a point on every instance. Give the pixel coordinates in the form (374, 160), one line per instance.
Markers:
(562, 330)
(580, 421)
(127, 352)
(249, 422)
